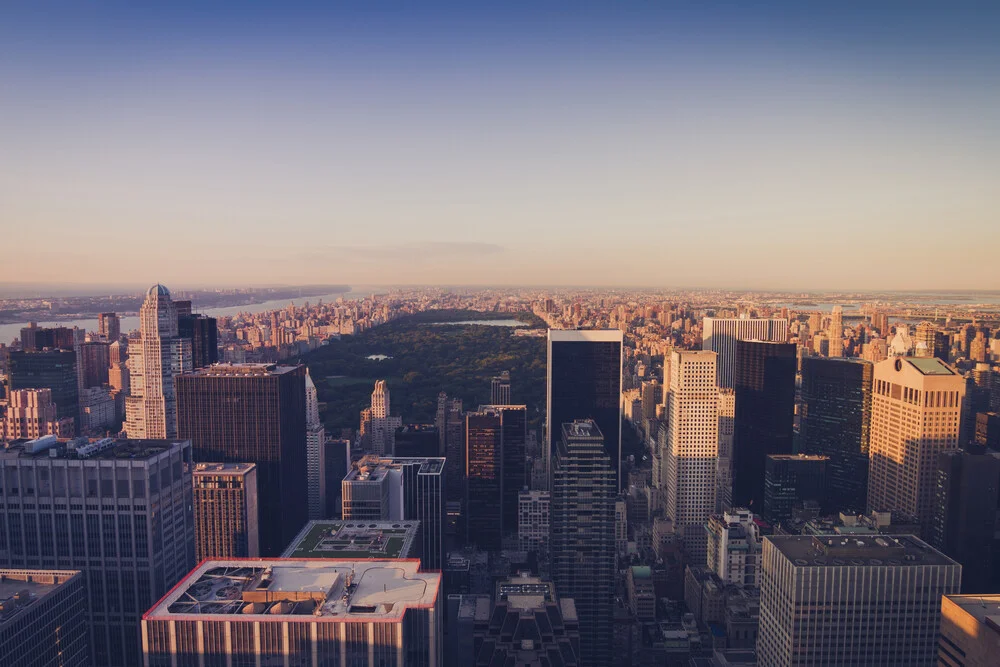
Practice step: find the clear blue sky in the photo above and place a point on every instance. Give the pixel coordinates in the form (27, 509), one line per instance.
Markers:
(798, 144)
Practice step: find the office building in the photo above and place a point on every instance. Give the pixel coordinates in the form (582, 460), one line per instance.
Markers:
(32, 414)
(529, 625)
(970, 630)
(734, 545)
(417, 440)
(337, 462)
(315, 453)
(380, 540)
(203, 332)
(720, 335)
(54, 370)
(692, 447)
(397, 488)
(987, 434)
(916, 410)
(118, 510)
(378, 426)
(582, 543)
(584, 381)
(43, 618)
(765, 408)
(724, 468)
(35, 338)
(793, 482)
(965, 515)
(450, 421)
(109, 326)
(93, 360)
(98, 411)
(835, 421)
(253, 413)
(852, 600)
(302, 612)
(641, 596)
(500, 389)
(495, 472)
(225, 511)
(153, 360)
(836, 332)
(533, 516)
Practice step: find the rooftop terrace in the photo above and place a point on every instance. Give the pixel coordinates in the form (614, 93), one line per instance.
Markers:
(354, 539)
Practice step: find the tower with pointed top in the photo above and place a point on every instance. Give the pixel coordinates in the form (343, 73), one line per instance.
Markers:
(154, 360)
(315, 453)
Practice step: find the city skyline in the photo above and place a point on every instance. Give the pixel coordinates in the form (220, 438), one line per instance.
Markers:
(390, 144)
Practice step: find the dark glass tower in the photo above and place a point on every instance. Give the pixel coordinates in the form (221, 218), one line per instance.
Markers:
(49, 369)
(836, 422)
(582, 539)
(495, 472)
(253, 413)
(765, 409)
(585, 382)
(204, 335)
(790, 481)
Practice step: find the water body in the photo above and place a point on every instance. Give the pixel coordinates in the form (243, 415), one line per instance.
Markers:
(486, 323)
(8, 332)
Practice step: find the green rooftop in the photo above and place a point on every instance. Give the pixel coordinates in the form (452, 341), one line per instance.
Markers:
(930, 365)
(354, 539)
(641, 572)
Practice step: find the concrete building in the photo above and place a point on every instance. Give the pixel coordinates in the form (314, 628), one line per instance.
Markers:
(225, 511)
(692, 446)
(154, 359)
(500, 389)
(970, 631)
(361, 539)
(109, 326)
(98, 411)
(533, 521)
(857, 600)
(118, 510)
(398, 488)
(32, 414)
(720, 335)
(494, 472)
(43, 618)
(916, 411)
(54, 370)
(734, 546)
(315, 453)
(641, 596)
(836, 332)
(381, 427)
(724, 468)
(302, 612)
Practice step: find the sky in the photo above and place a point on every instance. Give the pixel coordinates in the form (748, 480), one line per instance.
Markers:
(791, 145)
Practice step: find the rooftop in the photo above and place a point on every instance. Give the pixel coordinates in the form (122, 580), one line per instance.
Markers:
(373, 468)
(315, 590)
(223, 468)
(585, 335)
(857, 550)
(19, 589)
(983, 608)
(354, 539)
(798, 457)
(87, 448)
(241, 370)
(929, 365)
(582, 428)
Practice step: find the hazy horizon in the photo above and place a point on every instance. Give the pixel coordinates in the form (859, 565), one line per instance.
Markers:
(780, 144)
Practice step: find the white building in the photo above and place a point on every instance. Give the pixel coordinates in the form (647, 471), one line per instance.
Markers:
(533, 520)
(734, 545)
(315, 453)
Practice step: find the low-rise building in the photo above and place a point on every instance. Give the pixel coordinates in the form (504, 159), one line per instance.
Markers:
(356, 539)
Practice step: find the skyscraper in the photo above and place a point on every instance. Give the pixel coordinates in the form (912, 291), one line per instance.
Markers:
(584, 382)
(36, 339)
(495, 472)
(43, 618)
(970, 632)
(93, 362)
(791, 481)
(965, 513)
(336, 461)
(692, 445)
(835, 421)
(203, 332)
(253, 413)
(836, 332)
(225, 511)
(154, 360)
(582, 545)
(724, 473)
(720, 335)
(765, 408)
(400, 488)
(857, 600)
(109, 326)
(916, 409)
(500, 389)
(118, 510)
(49, 369)
(32, 414)
(383, 425)
(315, 453)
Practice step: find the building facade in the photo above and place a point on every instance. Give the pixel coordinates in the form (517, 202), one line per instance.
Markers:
(315, 453)
(54, 370)
(970, 632)
(43, 618)
(791, 482)
(495, 472)
(734, 545)
(225, 511)
(720, 335)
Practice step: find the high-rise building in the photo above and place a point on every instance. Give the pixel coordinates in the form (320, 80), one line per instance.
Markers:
(793, 481)
(253, 413)
(724, 474)
(965, 515)
(36, 339)
(225, 511)
(400, 488)
(734, 544)
(109, 326)
(765, 407)
(916, 410)
(363, 539)
(43, 618)
(454, 443)
(381, 426)
(154, 359)
(533, 521)
(836, 331)
(835, 421)
(720, 335)
(93, 363)
(49, 369)
(851, 600)
(988, 430)
(118, 510)
(692, 445)
(584, 382)
(500, 389)
(582, 544)
(302, 612)
(970, 632)
(203, 332)
(315, 453)
(494, 472)
(32, 414)
(337, 462)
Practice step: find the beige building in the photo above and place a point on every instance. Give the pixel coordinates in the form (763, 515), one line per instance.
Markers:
(836, 332)
(32, 414)
(916, 411)
(970, 631)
